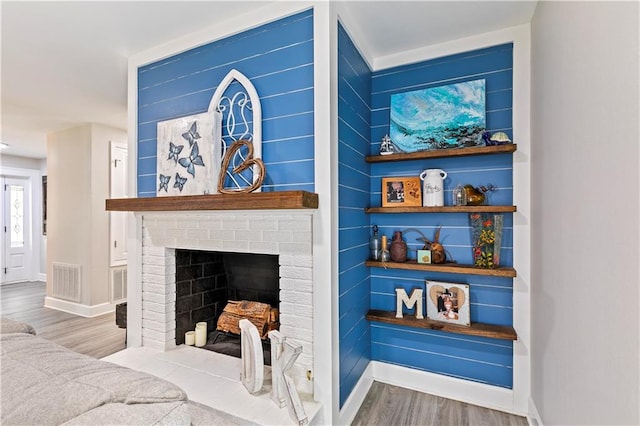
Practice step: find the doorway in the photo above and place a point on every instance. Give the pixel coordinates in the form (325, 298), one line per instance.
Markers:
(17, 247)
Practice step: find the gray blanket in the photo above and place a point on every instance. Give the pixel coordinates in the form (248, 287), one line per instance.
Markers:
(46, 384)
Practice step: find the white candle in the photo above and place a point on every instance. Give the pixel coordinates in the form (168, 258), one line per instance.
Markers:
(201, 334)
(190, 338)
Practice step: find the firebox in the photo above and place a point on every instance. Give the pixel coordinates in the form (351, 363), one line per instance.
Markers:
(207, 280)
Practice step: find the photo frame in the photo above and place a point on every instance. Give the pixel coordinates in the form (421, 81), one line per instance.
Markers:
(401, 192)
(448, 302)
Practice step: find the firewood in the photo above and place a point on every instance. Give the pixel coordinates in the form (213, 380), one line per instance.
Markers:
(257, 313)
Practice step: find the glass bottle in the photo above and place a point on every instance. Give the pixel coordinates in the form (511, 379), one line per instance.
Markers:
(374, 245)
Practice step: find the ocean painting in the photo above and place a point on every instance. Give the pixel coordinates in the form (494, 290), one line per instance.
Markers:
(443, 117)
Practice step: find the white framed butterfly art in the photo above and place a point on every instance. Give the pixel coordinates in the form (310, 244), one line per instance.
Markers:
(189, 154)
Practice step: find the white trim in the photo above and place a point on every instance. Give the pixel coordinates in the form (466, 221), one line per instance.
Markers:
(534, 418)
(466, 44)
(325, 292)
(357, 397)
(42, 277)
(78, 308)
(447, 387)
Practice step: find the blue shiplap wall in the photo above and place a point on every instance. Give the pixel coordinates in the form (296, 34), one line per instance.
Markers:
(473, 358)
(354, 112)
(278, 59)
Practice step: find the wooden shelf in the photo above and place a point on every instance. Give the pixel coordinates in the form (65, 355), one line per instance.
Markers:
(440, 153)
(239, 201)
(476, 329)
(443, 209)
(450, 268)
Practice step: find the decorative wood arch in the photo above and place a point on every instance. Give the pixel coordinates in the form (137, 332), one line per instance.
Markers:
(235, 109)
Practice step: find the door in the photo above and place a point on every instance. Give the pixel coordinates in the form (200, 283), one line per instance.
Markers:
(118, 189)
(16, 233)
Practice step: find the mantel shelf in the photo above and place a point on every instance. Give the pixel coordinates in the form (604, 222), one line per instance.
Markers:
(443, 209)
(476, 329)
(450, 268)
(239, 201)
(440, 153)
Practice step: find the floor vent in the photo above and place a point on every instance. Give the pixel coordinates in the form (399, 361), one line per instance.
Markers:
(66, 281)
(118, 284)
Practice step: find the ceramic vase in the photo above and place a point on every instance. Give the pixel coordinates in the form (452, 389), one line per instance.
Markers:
(398, 248)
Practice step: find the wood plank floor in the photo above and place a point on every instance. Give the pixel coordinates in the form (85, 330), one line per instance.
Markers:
(96, 337)
(392, 405)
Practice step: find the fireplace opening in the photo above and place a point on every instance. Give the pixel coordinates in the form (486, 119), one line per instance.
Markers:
(206, 281)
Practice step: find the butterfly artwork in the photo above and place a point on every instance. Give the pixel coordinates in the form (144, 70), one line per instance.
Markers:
(164, 183)
(180, 181)
(192, 134)
(194, 159)
(193, 169)
(174, 151)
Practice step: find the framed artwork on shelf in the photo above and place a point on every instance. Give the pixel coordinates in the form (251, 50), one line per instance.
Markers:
(401, 192)
(450, 116)
(448, 302)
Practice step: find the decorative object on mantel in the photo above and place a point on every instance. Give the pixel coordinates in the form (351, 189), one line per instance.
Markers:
(242, 121)
(284, 353)
(448, 302)
(387, 147)
(189, 154)
(433, 187)
(486, 237)
(451, 116)
(248, 161)
(409, 301)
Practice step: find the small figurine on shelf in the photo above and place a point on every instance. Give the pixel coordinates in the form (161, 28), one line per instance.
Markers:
(438, 252)
(387, 147)
(498, 138)
(476, 196)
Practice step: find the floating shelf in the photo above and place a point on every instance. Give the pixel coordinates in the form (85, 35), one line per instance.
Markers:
(239, 201)
(440, 153)
(450, 268)
(476, 329)
(443, 209)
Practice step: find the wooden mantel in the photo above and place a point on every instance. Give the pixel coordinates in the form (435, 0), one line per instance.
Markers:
(240, 201)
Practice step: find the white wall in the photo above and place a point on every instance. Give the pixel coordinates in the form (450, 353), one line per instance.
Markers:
(585, 279)
(78, 224)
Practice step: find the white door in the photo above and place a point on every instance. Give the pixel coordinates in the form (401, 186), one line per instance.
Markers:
(118, 189)
(16, 233)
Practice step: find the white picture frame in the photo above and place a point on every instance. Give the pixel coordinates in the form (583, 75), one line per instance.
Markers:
(448, 302)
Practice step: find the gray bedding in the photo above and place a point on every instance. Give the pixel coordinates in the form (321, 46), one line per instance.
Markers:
(45, 384)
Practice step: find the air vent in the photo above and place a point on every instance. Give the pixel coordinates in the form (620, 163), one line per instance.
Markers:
(118, 284)
(66, 281)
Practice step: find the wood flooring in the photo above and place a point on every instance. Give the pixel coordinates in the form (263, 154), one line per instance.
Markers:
(392, 405)
(97, 337)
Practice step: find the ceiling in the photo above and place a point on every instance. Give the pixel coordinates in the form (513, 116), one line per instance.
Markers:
(64, 64)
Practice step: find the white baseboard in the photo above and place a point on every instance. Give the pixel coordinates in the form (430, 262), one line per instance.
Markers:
(42, 277)
(534, 418)
(447, 387)
(78, 308)
(356, 398)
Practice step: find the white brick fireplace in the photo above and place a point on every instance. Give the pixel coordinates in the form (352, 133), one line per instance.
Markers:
(286, 233)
